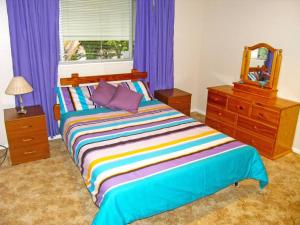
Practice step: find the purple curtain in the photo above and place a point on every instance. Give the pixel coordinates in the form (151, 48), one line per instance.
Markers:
(34, 37)
(154, 38)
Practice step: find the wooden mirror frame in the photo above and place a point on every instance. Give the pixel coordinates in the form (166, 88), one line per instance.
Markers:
(253, 87)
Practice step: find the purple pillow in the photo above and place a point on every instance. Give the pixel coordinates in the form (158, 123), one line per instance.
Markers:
(103, 93)
(125, 99)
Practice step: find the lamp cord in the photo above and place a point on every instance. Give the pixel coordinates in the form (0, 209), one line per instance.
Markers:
(4, 155)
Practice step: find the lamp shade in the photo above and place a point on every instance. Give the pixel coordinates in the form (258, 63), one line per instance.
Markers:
(18, 85)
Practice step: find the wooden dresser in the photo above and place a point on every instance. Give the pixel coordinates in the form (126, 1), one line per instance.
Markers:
(176, 98)
(267, 124)
(27, 134)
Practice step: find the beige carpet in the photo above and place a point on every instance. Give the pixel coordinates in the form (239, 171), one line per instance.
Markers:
(51, 191)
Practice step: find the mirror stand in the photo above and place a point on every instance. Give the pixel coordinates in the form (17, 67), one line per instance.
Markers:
(260, 71)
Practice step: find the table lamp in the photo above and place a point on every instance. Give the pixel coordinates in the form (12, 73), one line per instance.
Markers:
(18, 86)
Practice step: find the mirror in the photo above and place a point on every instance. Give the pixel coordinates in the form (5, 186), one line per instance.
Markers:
(260, 66)
(260, 69)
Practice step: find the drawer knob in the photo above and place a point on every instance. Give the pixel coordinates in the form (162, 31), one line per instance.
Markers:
(29, 153)
(27, 139)
(216, 99)
(219, 113)
(261, 115)
(255, 127)
(26, 126)
(240, 107)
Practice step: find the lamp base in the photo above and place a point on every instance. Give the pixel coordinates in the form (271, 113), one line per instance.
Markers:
(22, 111)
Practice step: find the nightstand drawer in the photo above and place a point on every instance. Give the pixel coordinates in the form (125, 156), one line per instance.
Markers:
(29, 153)
(184, 110)
(26, 124)
(175, 98)
(179, 100)
(24, 139)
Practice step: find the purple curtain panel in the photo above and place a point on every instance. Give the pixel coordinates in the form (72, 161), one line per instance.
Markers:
(34, 38)
(154, 42)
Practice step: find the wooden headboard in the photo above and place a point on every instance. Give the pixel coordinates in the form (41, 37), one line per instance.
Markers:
(75, 80)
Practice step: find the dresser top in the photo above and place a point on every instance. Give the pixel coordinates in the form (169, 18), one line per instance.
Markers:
(174, 92)
(11, 114)
(272, 102)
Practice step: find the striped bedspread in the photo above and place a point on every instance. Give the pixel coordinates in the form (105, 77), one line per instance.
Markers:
(138, 165)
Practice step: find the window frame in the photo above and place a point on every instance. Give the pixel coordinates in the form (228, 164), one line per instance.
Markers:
(72, 62)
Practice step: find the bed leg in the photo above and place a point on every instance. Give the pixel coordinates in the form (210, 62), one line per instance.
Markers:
(236, 184)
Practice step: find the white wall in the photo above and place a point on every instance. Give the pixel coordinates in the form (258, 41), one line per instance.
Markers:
(187, 47)
(6, 72)
(230, 25)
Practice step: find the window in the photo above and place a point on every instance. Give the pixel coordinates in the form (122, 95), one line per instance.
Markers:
(97, 29)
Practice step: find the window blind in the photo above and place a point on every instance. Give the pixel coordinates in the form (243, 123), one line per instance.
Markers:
(96, 19)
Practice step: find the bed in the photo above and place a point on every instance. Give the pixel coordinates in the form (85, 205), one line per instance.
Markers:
(139, 165)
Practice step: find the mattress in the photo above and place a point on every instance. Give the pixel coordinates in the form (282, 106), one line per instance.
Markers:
(139, 165)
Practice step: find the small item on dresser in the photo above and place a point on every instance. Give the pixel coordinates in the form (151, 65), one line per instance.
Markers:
(27, 134)
(176, 98)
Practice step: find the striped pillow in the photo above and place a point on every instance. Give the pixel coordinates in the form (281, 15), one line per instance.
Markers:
(75, 98)
(140, 87)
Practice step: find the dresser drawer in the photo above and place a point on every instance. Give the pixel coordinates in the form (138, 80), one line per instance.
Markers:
(26, 124)
(238, 106)
(220, 127)
(256, 127)
(29, 153)
(24, 139)
(215, 113)
(217, 99)
(264, 115)
(264, 146)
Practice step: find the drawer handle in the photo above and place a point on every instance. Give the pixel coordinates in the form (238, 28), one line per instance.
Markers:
(29, 153)
(240, 107)
(26, 126)
(255, 127)
(219, 113)
(216, 99)
(27, 139)
(261, 115)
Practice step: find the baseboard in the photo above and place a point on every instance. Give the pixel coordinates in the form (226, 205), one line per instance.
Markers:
(296, 150)
(55, 137)
(198, 111)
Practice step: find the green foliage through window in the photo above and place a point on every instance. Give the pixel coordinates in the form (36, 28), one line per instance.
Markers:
(93, 50)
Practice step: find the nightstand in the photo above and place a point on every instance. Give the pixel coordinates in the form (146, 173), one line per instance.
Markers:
(176, 98)
(27, 134)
